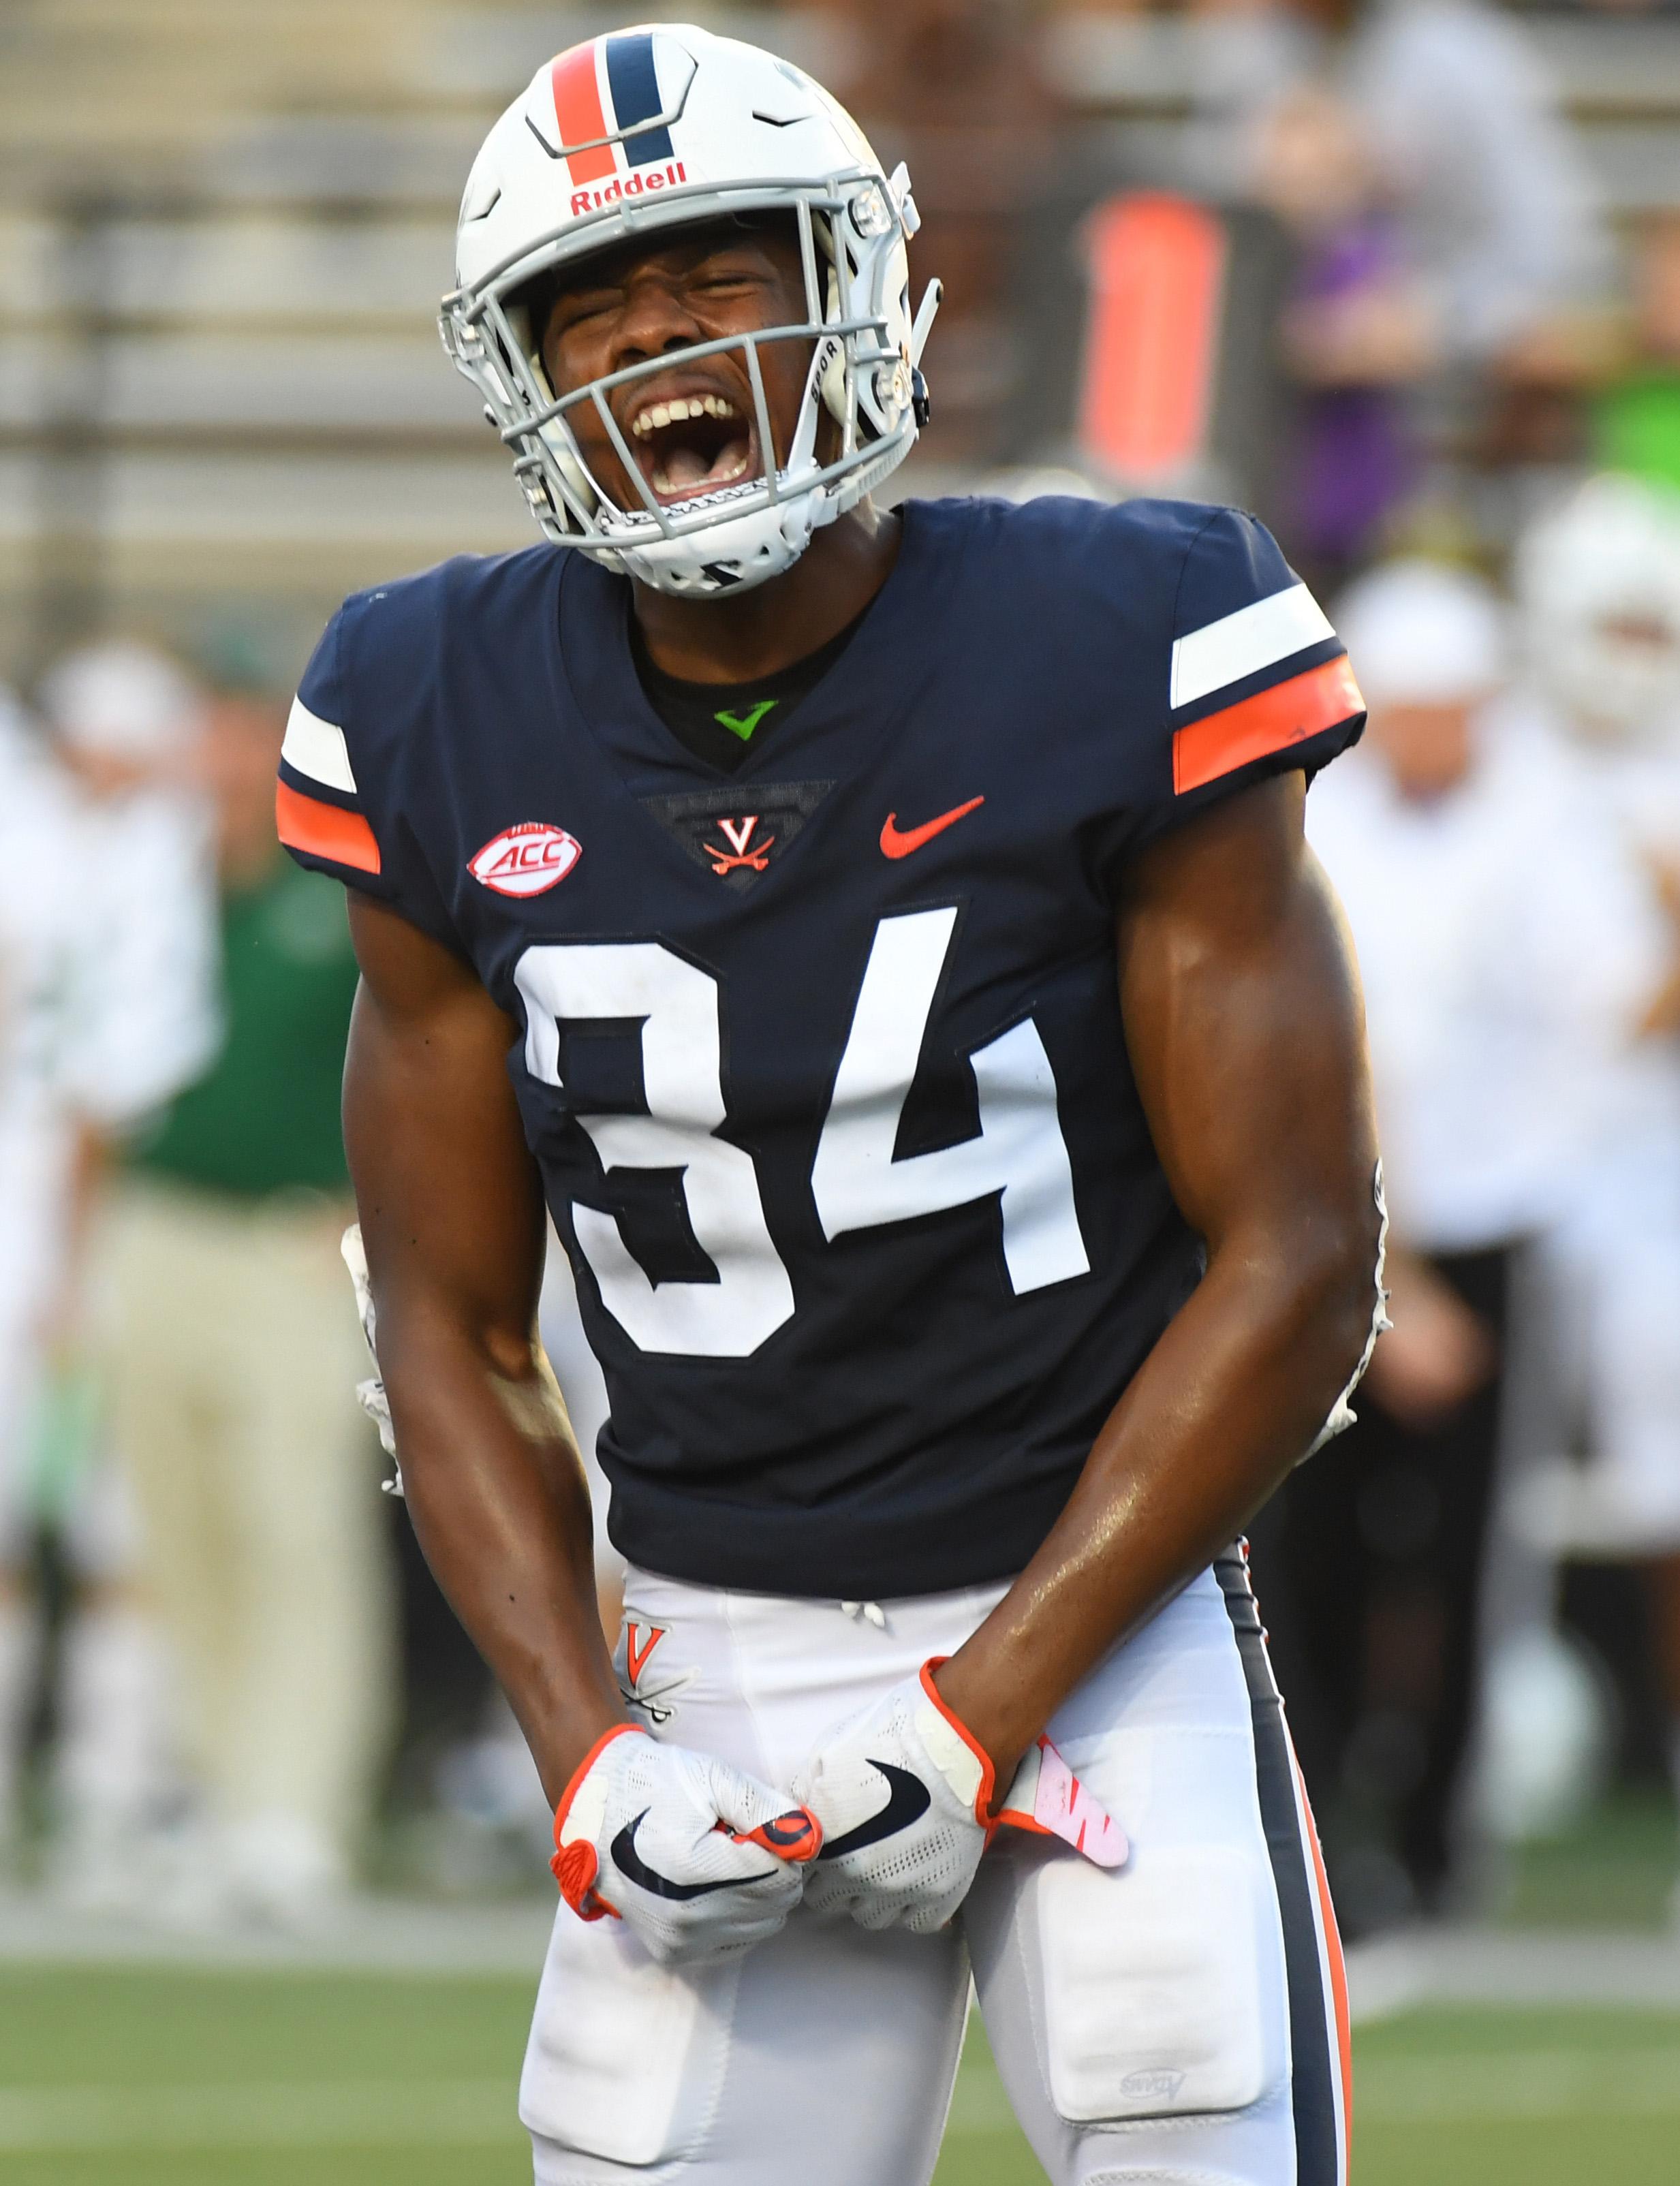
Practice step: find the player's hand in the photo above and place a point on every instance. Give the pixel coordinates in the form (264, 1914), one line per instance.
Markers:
(699, 1860)
(904, 1793)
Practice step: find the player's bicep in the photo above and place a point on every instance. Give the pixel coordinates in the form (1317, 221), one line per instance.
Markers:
(1245, 1023)
(450, 1205)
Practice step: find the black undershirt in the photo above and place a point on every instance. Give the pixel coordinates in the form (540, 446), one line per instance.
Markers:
(722, 722)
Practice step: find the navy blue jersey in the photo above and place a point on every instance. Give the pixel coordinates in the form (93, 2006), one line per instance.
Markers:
(822, 1061)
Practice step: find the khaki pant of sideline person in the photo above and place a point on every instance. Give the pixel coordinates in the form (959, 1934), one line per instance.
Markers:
(236, 1354)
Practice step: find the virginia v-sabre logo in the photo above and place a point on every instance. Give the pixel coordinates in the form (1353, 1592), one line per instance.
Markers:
(649, 1687)
(738, 847)
(735, 834)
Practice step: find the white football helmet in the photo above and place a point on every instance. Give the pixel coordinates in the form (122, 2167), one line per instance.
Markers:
(646, 130)
(1598, 584)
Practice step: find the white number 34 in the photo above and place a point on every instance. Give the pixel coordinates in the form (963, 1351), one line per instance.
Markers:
(1018, 1153)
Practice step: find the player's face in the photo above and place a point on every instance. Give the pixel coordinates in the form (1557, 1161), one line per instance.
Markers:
(692, 426)
(1428, 749)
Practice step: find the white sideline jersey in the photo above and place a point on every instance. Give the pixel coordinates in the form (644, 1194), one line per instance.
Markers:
(1505, 949)
(107, 1007)
(1614, 1254)
(1179, 2020)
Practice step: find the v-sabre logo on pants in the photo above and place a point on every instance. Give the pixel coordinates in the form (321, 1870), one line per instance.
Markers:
(650, 1689)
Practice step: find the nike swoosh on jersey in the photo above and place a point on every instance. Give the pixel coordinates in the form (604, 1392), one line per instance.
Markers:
(908, 1800)
(897, 844)
(633, 1869)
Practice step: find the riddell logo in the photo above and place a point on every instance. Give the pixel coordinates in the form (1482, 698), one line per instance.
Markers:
(525, 859)
(631, 185)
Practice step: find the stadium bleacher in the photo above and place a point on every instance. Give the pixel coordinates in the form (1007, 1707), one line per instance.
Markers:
(223, 230)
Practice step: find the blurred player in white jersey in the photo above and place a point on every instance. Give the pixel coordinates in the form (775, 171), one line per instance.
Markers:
(1600, 590)
(1599, 586)
(104, 1008)
(1506, 954)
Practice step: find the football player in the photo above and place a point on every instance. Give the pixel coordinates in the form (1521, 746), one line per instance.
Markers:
(888, 943)
(1598, 589)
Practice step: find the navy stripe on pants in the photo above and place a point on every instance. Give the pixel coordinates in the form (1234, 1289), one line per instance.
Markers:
(1312, 2065)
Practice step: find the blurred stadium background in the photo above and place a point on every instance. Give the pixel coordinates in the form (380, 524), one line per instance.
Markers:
(1403, 278)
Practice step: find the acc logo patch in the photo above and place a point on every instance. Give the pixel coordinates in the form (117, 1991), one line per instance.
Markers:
(525, 859)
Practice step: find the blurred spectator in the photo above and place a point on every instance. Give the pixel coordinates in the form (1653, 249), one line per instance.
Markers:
(953, 88)
(1498, 206)
(1502, 944)
(1357, 333)
(1600, 586)
(1495, 203)
(237, 1356)
(106, 1007)
(1246, 58)
(1639, 418)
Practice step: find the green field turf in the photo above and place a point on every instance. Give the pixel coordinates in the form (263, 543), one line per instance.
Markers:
(154, 2077)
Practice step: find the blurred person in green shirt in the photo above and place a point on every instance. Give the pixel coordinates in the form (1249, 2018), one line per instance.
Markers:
(236, 1357)
(1638, 422)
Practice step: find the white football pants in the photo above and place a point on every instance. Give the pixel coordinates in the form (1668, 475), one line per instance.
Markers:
(1614, 1262)
(1181, 2021)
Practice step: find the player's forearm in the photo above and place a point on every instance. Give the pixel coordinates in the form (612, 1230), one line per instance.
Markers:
(501, 1510)
(1238, 1386)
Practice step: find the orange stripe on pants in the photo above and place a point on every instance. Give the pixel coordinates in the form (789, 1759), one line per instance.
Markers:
(1338, 1973)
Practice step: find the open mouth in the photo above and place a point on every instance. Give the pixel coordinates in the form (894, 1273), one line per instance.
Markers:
(694, 444)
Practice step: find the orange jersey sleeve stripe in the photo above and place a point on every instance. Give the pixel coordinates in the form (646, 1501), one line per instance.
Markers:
(1288, 714)
(304, 823)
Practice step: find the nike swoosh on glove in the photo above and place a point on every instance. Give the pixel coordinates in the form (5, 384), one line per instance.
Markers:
(904, 1793)
(697, 1859)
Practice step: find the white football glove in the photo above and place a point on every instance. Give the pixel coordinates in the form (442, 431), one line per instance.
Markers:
(699, 1860)
(902, 1793)
(371, 1394)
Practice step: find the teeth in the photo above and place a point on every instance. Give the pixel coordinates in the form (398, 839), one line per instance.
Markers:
(677, 412)
(662, 482)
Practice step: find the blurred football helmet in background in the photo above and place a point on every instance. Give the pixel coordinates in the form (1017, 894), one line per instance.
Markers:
(1598, 583)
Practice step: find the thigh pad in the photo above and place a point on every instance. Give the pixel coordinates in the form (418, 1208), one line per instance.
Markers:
(1159, 1984)
(625, 2055)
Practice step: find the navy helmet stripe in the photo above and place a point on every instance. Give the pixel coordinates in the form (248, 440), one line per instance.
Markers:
(635, 85)
(1318, 2153)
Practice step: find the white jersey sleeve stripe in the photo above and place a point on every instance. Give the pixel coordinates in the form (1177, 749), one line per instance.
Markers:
(317, 748)
(1243, 643)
